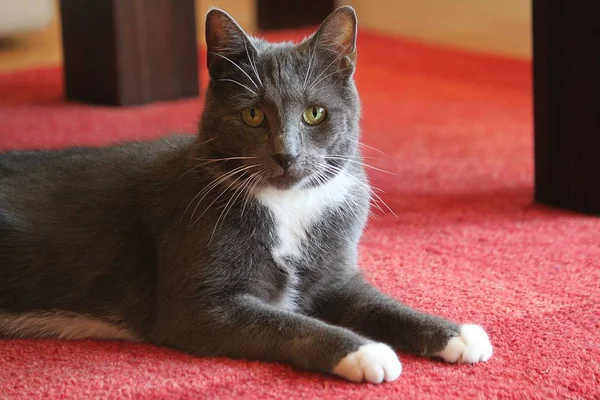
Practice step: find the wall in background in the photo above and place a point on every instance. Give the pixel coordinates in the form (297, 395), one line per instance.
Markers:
(491, 26)
(496, 27)
(244, 12)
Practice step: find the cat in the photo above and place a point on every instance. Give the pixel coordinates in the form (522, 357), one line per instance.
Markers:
(240, 241)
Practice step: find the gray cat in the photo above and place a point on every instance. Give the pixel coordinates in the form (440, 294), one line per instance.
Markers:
(240, 242)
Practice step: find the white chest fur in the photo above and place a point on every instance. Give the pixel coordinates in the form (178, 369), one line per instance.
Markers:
(296, 210)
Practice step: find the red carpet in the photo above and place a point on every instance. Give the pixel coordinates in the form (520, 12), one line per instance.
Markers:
(468, 242)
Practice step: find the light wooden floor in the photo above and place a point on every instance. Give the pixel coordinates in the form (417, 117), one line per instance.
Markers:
(496, 27)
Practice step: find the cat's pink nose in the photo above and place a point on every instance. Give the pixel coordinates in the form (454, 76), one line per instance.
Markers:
(285, 160)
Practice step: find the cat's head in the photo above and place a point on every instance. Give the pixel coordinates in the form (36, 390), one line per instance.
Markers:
(284, 114)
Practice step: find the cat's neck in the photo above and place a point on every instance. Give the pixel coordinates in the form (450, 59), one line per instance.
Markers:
(296, 210)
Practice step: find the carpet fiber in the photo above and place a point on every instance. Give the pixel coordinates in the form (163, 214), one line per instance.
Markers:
(468, 243)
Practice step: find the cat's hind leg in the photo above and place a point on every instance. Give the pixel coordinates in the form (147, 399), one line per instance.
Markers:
(61, 325)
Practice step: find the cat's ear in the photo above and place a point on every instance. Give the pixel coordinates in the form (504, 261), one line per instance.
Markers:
(337, 34)
(224, 38)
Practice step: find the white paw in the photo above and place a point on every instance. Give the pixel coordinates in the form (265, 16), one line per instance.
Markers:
(472, 346)
(373, 362)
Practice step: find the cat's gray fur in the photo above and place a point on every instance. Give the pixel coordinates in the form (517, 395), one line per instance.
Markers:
(120, 235)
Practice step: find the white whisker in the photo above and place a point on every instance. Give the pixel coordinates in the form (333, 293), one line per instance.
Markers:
(310, 60)
(196, 145)
(252, 65)
(360, 157)
(329, 66)
(247, 188)
(234, 63)
(223, 159)
(366, 146)
(241, 84)
(222, 192)
(361, 163)
(322, 179)
(327, 76)
(251, 189)
(209, 188)
(369, 189)
(230, 204)
(211, 161)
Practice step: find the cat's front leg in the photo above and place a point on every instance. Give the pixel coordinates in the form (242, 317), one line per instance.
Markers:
(246, 327)
(355, 304)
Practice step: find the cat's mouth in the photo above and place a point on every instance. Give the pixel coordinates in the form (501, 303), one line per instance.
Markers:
(286, 180)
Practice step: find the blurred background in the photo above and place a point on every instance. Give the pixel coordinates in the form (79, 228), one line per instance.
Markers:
(30, 29)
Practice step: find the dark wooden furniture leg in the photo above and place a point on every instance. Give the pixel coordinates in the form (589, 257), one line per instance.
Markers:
(126, 52)
(566, 67)
(278, 14)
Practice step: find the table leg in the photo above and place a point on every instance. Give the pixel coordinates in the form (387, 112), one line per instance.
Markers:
(129, 52)
(566, 67)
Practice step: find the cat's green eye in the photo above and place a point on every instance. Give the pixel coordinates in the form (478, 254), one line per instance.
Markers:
(253, 116)
(314, 115)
